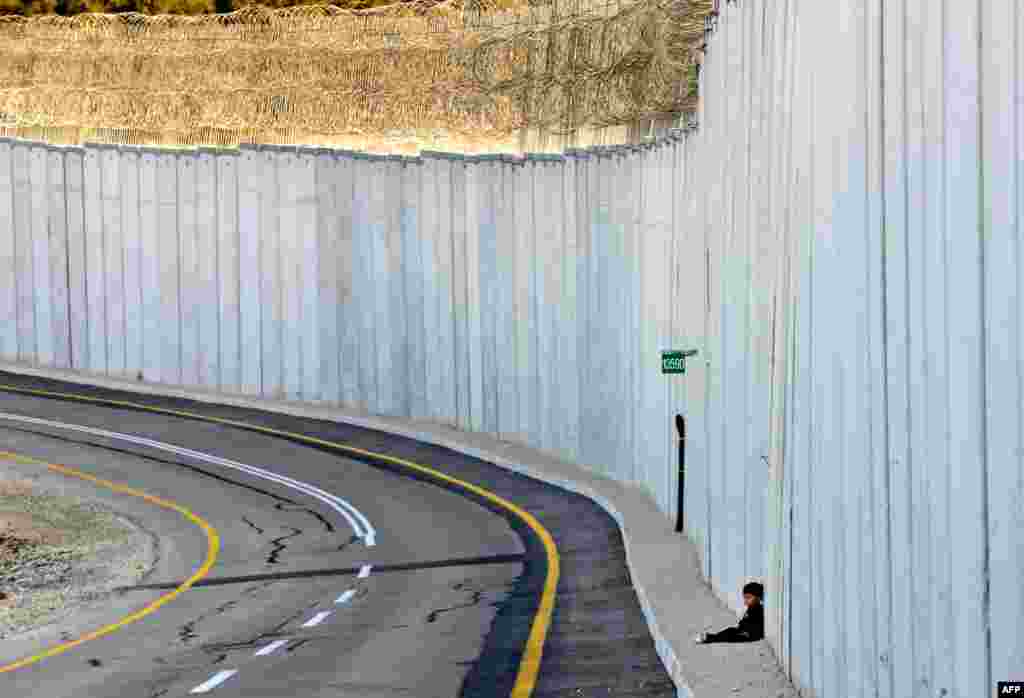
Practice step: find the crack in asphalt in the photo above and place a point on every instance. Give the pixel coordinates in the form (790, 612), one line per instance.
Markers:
(281, 506)
(187, 633)
(245, 520)
(474, 601)
(280, 546)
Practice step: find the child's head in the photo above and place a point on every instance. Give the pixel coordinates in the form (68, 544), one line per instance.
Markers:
(753, 592)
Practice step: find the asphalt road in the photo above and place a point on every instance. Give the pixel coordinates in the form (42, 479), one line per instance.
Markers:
(290, 608)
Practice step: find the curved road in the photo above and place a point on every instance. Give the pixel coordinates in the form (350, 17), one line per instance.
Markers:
(336, 575)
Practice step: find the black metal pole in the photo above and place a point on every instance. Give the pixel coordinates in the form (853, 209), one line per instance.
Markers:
(681, 428)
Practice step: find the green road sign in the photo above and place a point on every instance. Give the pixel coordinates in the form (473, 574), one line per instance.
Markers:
(675, 361)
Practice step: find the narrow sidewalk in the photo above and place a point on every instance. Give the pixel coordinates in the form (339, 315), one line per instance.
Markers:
(664, 565)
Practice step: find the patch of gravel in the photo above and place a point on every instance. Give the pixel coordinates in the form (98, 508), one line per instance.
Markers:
(58, 552)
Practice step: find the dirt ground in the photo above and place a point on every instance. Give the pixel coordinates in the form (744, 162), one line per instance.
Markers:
(57, 552)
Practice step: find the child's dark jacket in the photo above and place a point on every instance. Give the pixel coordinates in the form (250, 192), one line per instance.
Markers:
(750, 629)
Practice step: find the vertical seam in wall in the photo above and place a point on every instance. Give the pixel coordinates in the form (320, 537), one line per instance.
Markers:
(534, 302)
(788, 473)
(260, 240)
(508, 170)
(180, 372)
(103, 260)
(215, 170)
(453, 287)
(298, 269)
(871, 495)
(633, 250)
(121, 255)
(749, 219)
(32, 245)
(14, 257)
(812, 539)
(340, 169)
(403, 276)
(885, 340)
(86, 348)
(945, 289)
(986, 598)
(67, 260)
(235, 241)
(139, 331)
(1019, 224)
(908, 466)
(370, 240)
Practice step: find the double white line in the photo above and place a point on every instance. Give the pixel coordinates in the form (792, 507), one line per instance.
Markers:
(360, 524)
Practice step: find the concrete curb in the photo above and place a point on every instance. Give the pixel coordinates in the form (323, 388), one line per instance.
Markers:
(668, 561)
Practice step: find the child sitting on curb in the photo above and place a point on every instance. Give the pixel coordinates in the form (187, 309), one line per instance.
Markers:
(751, 627)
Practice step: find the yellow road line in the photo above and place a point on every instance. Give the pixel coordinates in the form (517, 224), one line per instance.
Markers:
(529, 665)
(212, 547)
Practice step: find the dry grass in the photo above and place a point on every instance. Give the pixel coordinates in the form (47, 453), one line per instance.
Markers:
(52, 553)
(35, 8)
(36, 526)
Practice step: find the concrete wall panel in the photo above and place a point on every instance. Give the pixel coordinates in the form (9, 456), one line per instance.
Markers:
(413, 286)
(149, 261)
(382, 197)
(349, 261)
(308, 276)
(328, 223)
(228, 260)
(8, 257)
(290, 251)
(476, 309)
(271, 314)
(488, 251)
(250, 234)
(113, 259)
(169, 280)
(191, 280)
(58, 258)
(207, 216)
(460, 295)
(24, 277)
(42, 222)
(444, 279)
(134, 279)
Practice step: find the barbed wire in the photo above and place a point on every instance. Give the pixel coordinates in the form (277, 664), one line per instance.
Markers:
(472, 70)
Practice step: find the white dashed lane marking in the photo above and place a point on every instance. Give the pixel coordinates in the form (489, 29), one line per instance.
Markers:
(364, 572)
(346, 597)
(214, 681)
(317, 619)
(276, 644)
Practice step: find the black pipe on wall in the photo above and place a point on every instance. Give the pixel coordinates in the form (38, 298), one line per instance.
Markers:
(681, 428)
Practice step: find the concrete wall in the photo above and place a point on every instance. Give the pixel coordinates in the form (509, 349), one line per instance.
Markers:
(860, 195)
(526, 298)
(843, 246)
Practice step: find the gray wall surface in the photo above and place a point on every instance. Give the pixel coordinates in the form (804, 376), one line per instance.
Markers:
(841, 240)
(526, 298)
(860, 198)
